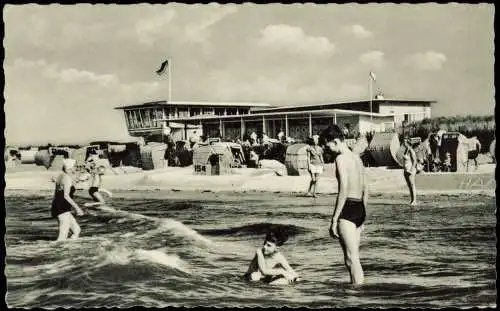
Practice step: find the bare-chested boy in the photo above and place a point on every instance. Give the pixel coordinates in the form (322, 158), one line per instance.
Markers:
(349, 213)
(269, 265)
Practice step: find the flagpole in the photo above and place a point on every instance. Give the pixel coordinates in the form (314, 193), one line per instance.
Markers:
(371, 112)
(169, 80)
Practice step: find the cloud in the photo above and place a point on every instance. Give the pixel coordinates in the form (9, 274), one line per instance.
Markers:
(66, 75)
(359, 31)
(428, 61)
(199, 31)
(372, 58)
(149, 28)
(37, 91)
(294, 40)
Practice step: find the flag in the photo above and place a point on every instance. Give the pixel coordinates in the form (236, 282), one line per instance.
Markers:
(163, 67)
(372, 75)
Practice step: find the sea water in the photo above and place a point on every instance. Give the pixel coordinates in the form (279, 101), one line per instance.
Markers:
(160, 249)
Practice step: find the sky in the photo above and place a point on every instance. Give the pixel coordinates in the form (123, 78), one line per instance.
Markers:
(67, 67)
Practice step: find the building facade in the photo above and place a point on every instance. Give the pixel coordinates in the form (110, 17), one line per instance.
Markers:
(150, 118)
(235, 120)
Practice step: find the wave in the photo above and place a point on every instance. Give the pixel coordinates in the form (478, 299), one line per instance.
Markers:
(118, 255)
(257, 229)
(163, 224)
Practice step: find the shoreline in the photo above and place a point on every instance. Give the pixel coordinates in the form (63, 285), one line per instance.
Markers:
(266, 180)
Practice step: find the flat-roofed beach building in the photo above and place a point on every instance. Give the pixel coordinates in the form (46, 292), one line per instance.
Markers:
(302, 121)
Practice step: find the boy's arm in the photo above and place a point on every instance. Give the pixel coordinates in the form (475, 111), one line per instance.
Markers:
(365, 190)
(67, 189)
(263, 268)
(286, 266)
(342, 195)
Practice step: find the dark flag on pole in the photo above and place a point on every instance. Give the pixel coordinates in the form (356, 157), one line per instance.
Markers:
(163, 67)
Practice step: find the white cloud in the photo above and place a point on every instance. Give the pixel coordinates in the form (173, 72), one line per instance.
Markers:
(428, 61)
(372, 58)
(360, 32)
(294, 40)
(150, 27)
(38, 91)
(65, 75)
(199, 32)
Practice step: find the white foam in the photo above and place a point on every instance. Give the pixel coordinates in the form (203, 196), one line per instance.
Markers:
(159, 257)
(164, 224)
(182, 229)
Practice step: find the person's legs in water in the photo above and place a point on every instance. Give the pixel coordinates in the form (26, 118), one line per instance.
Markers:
(64, 225)
(75, 228)
(350, 238)
(96, 196)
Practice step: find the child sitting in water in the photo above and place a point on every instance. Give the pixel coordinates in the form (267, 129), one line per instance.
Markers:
(269, 265)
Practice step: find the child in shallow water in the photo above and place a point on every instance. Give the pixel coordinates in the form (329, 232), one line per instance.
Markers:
(269, 265)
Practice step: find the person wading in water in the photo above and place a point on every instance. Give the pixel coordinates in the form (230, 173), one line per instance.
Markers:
(63, 203)
(349, 214)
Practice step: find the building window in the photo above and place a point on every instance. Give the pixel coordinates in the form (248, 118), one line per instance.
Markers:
(134, 119)
(193, 112)
(144, 115)
(183, 112)
(388, 126)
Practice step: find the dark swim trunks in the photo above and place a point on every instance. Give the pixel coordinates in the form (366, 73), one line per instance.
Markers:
(473, 154)
(93, 190)
(59, 204)
(354, 211)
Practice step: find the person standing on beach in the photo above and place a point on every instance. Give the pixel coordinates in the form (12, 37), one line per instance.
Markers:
(314, 163)
(474, 153)
(63, 203)
(410, 169)
(349, 214)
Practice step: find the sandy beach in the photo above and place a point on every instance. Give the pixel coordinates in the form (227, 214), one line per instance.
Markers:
(381, 180)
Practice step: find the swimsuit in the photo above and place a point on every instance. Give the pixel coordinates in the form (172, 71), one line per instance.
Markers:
(408, 165)
(354, 211)
(93, 190)
(59, 204)
(96, 181)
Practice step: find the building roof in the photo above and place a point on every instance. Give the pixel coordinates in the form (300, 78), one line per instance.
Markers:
(326, 112)
(329, 104)
(187, 103)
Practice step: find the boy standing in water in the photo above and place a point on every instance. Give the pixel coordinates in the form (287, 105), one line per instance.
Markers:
(349, 213)
(269, 264)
